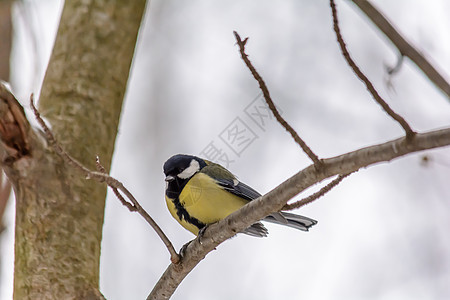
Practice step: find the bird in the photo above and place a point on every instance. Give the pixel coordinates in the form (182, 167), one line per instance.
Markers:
(199, 193)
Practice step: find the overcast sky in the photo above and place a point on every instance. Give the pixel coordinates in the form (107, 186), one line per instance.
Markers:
(382, 233)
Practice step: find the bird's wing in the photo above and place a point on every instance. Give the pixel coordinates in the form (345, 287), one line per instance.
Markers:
(229, 182)
(239, 189)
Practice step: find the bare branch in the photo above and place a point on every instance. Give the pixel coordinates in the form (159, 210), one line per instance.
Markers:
(405, 48)
(119, 196)
(316, 195)
(110, 181)
(275, 200)
(409, 132)
(270, 103)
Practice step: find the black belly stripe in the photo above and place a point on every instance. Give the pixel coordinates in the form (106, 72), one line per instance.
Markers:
(184, 215)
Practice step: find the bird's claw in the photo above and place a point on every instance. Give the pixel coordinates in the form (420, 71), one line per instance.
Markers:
(199, 238)
(201, 233)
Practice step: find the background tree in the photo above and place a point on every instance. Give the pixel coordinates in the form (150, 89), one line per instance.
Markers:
(5, 51)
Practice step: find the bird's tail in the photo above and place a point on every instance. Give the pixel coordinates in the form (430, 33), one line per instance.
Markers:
(281, 218)
(291, 220)
(256, 230)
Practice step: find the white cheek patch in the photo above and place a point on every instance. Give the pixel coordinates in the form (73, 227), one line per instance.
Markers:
(235, 182)
(193, 168)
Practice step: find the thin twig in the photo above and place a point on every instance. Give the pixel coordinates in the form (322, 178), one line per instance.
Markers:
(270, 103)
(102, 177)
(99, 165)
(316, 195)
(52, 141)
(409, 132)
(405, 47)
(119, 196)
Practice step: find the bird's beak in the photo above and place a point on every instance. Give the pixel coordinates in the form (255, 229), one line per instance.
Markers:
(169, 178)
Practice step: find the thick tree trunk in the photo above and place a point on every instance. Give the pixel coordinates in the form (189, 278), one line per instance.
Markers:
(6, 38)
(59, 215)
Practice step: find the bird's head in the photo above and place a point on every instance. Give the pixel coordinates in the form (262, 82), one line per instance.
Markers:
(179, 169)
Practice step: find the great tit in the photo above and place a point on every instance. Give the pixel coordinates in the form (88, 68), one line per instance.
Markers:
(199, 193)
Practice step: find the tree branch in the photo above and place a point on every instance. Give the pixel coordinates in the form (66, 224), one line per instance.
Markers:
(265, 91)
(119, 196)
(101, 176)
(404, 47)
(316, 195)
(278, 197)
(409, 132)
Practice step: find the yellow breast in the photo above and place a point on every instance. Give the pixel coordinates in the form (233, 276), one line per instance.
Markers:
(204, 200)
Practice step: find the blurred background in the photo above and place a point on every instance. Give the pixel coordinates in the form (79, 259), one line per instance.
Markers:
(382, 233)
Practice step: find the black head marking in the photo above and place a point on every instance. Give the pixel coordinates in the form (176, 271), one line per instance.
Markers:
(178, 170)
(180, 162)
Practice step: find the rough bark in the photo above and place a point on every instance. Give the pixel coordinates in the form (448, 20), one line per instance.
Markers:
(5, 53)
(59, 215)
